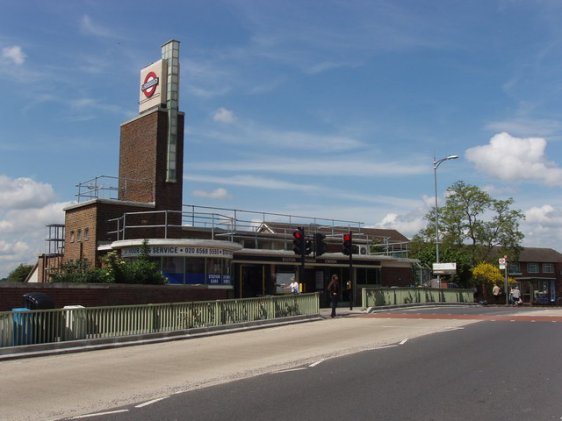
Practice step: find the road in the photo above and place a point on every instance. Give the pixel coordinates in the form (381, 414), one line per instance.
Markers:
(134, 379)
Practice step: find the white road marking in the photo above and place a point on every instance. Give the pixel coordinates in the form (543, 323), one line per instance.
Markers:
(316, 363)
(290, 369)
(99, 414)
(383, 347)
(141, 405)
(403, 341)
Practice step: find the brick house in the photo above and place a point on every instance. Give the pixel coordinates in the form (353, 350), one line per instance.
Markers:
(538, 271)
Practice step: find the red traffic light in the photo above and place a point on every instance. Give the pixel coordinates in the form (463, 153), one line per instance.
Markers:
(297, 234)
(347, 246)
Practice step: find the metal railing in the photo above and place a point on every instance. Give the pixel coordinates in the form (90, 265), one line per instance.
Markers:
(109, 187)
(377, 297)
(249, 226)
(29, 327)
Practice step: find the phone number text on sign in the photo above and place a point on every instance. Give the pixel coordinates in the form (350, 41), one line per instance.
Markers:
(178, 251)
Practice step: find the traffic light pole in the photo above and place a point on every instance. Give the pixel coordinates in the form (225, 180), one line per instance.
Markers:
(348, 250)
(351, 281)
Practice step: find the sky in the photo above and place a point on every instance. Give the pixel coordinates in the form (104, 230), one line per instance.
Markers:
(333, 109)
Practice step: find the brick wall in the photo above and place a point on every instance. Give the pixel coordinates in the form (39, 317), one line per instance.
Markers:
(93, 217)
(95, 295)
(143, 156)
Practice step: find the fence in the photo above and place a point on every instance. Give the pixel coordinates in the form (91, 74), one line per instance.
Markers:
(27, 327)
(376, 297)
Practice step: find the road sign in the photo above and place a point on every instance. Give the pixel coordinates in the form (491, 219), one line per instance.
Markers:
(502, 261)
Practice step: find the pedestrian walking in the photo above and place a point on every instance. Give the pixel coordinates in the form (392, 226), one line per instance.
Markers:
(349, 288)
(515, 295)
(496, 291)
(334, 291)
(294, 286)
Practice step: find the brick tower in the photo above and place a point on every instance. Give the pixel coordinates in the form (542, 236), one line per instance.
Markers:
(150, 171)
(151, 148)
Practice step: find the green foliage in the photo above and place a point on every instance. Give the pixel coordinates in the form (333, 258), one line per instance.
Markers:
(142, 270)
(80, 271)
(116, 270)
(20, 273)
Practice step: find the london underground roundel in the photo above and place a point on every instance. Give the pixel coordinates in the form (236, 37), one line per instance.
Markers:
(150, 84)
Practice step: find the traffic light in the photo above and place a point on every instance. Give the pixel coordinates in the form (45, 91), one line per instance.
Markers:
(347, 247)
(298, 241)
(319, 244)
(307, 247)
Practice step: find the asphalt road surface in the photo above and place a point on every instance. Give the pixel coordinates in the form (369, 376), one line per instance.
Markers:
(442, 364)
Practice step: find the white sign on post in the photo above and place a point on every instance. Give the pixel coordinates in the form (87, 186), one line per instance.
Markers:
(502, 262)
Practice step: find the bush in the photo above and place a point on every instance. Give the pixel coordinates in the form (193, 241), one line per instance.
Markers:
(116, 270)
(80, 271)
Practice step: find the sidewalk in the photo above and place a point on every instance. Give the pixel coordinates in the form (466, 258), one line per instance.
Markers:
(342, 311)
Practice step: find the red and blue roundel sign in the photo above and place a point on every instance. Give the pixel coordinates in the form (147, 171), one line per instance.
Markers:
(150, 84)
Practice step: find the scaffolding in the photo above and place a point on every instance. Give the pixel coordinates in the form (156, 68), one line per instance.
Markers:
(54, 249)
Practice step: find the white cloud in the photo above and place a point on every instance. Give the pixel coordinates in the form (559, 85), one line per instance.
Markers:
(14, 54)
(26, 208)
(510, 158)
(407, 224)
(543, 227)
(526, 127)
(346, 166)
(223, 115)
(23, 192)
(252, 181)
(219, 194)
(87, 26)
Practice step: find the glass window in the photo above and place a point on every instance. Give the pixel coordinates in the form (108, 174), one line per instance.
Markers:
(172, 267)
(368, 276)
(514, 268)
(214, 271)
(86, 234)
(79, 235)
(227, 269)
(195, 270)
(72, 236)
(533, 267)
(548, 267)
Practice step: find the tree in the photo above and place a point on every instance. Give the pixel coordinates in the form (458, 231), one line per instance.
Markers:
(489, 227)
(473, 227)
(20, 273)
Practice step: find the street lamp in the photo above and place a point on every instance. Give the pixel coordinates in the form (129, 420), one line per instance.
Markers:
(436, 163)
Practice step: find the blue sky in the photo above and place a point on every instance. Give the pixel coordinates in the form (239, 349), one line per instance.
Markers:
(333, 109)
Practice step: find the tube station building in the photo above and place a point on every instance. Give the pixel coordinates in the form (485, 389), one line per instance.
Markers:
(242, 253)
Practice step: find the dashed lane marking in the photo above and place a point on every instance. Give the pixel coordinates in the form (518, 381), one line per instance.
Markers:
(100, 414)
(142, 405)
(495, 317)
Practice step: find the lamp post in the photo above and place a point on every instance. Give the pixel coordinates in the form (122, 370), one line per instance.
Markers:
(436, 163)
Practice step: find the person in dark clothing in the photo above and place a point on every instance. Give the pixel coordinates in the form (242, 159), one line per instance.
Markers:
(334, 291)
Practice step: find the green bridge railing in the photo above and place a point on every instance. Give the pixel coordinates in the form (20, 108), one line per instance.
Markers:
(377, 297)
(27, 327)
